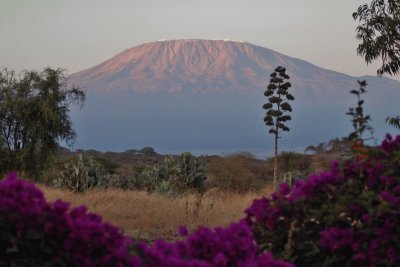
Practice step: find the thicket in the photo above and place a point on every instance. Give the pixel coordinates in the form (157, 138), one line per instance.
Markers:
(172, 175)
(238, 173)
(81, 175)
(347, 216)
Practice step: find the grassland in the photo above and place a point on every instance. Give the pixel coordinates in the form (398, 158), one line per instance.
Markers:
(148, 217)
(230, 188)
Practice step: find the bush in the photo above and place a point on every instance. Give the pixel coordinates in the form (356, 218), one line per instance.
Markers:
(174, 176)
(324, 153)
(82, 174)
(293, 166)
(238, 173)
(233, 246)
(289, 161)
(36, 233)
(108, 165)
(346, 216)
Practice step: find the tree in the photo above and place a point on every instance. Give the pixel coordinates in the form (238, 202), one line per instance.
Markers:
(359, 120)
(277, 107)
(148, 151)
(379, 33)
(34, 118)
(340, 147)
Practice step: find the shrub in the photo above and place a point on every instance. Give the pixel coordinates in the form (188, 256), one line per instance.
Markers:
(292, 166)
(233, 246)
(289, 161)
(346, 216)
(36, 233)
(81, 175)
(174, 176)
(109, 166)
(185, 172)
(129, 176)
(238, 173)
(148, 151)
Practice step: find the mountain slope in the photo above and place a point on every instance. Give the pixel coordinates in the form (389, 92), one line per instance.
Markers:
(207, 94)
(198, 65)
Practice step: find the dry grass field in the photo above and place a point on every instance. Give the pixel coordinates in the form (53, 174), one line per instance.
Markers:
(148, 217)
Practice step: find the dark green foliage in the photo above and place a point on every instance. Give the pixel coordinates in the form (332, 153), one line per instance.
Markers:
(184, 172)
(122, 169)
(335, 149)
(109, 165)
(277, 107)
(290, 161)
(148, 151)
(81, 175)
(239, 173)
(132, 151)
(339, 147)
(394, 121)
(292, 166)
(379, 33)
(359, 120)
(146, 180)
(115, 181)
(175, 175)
(191, 171)
(34, 118)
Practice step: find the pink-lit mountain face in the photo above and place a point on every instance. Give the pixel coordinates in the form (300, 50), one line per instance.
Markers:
(204, 66)
(173, 66)
(208, 94)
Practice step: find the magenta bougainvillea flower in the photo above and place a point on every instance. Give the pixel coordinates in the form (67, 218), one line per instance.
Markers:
(346, 216)
(34, 232)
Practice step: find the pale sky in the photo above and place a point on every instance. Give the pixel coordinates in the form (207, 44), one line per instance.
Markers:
(77, 34)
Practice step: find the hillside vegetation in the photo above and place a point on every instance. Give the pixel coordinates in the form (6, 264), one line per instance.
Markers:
(149, 213)
(176, 175)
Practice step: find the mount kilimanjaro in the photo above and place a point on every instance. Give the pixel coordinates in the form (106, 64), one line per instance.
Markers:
(206, 96)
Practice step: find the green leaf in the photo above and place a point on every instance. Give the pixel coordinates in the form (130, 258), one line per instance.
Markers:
(393, 121)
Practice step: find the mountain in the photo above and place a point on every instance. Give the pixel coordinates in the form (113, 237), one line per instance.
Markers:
(206, 96)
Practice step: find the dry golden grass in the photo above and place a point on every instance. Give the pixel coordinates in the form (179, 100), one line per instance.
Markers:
(150, 216)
